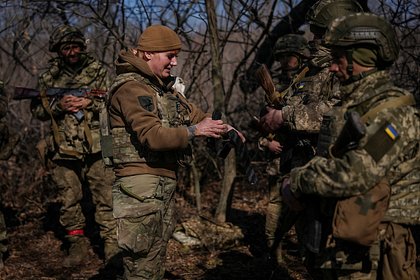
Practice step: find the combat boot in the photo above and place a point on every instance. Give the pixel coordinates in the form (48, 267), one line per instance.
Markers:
(78, 250)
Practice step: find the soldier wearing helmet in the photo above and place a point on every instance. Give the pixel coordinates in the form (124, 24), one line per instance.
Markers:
(291, 52)
(73, 148)
(385, 153)
(314, 91)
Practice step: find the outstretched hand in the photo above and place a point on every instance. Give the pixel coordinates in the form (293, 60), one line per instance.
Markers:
(210, 128)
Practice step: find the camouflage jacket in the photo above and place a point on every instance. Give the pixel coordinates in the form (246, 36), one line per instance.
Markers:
(76, 137)
(305, 103)
(389, 149)
(314, 95)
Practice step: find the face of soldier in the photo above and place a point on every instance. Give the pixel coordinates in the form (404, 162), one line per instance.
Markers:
(161, 63)
(289, 63)
(71, 53)
(339, 65)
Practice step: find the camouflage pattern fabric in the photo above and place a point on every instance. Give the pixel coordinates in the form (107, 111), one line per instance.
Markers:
(70, 172)
(342, 177)
(144, 209)
(72, 131)
(393, 133)
(66, 175)
(305, 103)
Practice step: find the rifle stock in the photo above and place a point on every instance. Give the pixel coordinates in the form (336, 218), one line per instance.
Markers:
(273, 97)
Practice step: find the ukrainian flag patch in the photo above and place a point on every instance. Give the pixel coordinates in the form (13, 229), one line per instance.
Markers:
(391, 131)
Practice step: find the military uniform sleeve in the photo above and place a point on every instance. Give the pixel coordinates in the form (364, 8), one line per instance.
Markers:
(312, 97)
(305, 116)
(102, 82)
(392, 139)
(138, 106)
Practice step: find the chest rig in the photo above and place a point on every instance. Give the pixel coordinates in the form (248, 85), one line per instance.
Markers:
(123, 145)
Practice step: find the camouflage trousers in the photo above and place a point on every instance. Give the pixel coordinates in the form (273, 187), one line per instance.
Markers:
(144, 209)
(273, 210)
(76, 177)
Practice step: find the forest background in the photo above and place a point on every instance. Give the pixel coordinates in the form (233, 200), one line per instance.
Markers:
(223, 43)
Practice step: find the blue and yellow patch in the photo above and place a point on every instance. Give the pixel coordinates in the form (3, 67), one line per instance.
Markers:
(299, 88)
(381, 141)
(391, 131)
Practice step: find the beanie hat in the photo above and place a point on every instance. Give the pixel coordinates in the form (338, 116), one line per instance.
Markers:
(365, 57)
(158, 38)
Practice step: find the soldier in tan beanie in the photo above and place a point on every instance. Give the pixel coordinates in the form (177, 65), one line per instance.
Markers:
(152, 124)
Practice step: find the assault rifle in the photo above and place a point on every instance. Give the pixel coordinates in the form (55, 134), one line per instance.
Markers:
(233, 140)
(53, 92)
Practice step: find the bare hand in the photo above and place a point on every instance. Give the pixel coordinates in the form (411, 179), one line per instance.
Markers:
(272, 121)
(288, 197)
(275, 146)
(73, 104)
(211, 128)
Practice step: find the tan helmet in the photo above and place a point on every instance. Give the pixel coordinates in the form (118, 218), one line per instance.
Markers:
(364, 29)
(291, 43)
(66, 34)
(325, 11)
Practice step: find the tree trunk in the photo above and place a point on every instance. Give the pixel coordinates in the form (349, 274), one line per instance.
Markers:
(219, 95)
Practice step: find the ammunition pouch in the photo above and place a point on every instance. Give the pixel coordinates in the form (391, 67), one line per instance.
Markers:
(357, 218)
(126, 149)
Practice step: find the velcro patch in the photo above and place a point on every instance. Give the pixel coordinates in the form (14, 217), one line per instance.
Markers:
(392, 133)
(147, 103)
(382, 141)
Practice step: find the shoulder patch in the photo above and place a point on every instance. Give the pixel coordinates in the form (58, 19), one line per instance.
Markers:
(382, 141)
(147, 103)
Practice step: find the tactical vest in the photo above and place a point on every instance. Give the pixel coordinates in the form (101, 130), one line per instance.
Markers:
(172, 111)
(72, 137)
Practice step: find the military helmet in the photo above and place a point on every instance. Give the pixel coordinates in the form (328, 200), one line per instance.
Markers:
(291, 43)
(364, 29)
(66, 34)
(324, 11)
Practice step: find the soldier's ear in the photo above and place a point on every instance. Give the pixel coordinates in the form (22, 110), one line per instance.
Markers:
(148, 55)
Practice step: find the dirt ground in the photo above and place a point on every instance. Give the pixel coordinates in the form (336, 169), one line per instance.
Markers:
(36, 250)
